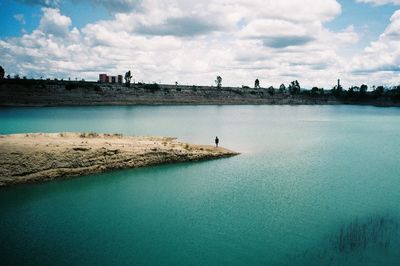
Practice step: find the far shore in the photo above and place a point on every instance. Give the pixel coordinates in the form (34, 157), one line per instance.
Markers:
(39, 157)
(37, 93)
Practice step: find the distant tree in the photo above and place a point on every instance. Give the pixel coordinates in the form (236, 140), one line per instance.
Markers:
(282, 88)
(294, 87)
(257, 84)
(271, 91)
(128, 77)
(380, 90)
(218, 81)
(363, 89)
(2, 72)
(314, 91)
(176, 83)
(16, 76)
(350, 91)
(8, 76)
(152, 87)
(337, 90)
(393, 93)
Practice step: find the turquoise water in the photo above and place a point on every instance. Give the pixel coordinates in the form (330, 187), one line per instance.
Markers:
(314, 185)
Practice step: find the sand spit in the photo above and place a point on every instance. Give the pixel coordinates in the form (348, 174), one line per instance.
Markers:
(37, 157)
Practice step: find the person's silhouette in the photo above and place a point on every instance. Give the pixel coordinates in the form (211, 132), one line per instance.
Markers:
(216, 141)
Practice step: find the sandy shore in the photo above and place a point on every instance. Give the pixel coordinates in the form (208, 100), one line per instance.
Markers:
(28, 158)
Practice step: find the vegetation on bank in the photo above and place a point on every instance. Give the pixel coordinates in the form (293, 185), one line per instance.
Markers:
(353, 94)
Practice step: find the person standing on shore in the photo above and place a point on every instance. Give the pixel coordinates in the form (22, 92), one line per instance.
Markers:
(216, 141)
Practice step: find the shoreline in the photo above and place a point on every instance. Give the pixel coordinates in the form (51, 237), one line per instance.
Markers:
(41, 157)
(196, 104)
(43, 93)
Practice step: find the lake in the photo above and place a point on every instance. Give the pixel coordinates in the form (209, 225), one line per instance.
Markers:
(314, 185)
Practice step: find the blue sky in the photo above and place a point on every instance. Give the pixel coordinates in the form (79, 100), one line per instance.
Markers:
(177, 40)
(81, 14)
(370, 21)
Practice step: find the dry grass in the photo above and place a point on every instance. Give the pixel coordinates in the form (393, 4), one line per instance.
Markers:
(89, 135)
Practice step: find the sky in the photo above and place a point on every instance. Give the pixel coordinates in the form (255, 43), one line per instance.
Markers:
(277, 41)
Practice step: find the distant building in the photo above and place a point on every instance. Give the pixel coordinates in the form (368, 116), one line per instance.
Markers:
(103, 78)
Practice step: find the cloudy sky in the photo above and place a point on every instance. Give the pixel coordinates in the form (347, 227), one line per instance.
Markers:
(277, 41)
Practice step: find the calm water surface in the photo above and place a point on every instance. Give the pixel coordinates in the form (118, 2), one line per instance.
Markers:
(314, 185)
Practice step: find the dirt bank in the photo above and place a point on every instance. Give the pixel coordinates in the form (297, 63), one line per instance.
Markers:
(28, 158)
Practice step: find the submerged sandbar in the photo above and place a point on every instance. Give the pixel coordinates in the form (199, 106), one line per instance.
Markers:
(37, 157)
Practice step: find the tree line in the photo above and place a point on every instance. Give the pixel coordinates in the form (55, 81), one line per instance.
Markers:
(353, 93)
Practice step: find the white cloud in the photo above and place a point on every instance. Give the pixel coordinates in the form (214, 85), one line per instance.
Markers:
(380, 2)
(382, 57)
(52, 22)
(191, 42)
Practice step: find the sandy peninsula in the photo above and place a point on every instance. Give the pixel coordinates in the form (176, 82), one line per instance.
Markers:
(37, 157)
